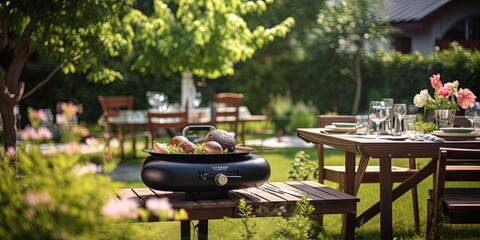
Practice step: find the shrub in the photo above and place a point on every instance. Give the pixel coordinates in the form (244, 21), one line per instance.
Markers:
(59, 197)
(302, 168)
(303, 116)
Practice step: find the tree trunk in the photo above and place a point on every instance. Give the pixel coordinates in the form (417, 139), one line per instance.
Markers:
(12, 88)
(358, 81)
(9, 125)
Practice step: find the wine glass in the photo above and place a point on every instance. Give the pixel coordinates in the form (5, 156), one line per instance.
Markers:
(151, 99)
(400, 110)
(378, 114)
(472, 112)
(197, 100)
(158, 100)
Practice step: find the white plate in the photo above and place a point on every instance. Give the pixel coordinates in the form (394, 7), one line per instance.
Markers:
(399, 138)
(333, 129)
(456, 136)
(344, 125)
(456, 130)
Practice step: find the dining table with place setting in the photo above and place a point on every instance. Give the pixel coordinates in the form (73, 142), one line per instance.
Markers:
(386, 148)
(387, 133)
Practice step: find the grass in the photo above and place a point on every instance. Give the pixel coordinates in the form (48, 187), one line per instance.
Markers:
(280, 160)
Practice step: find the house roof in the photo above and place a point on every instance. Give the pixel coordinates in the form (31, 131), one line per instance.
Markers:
(404, 11)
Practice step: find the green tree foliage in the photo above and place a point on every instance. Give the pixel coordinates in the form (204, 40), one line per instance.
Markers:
(76, 36)
(346, 27)
(279, 67)
(205, 37)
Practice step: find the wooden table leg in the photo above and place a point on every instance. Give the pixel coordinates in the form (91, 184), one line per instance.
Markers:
(350, 223)
(120, 139)
(134, 144)
(398, 192)
(386, 228)
(185, 230)
(349, 187)
(203, 230)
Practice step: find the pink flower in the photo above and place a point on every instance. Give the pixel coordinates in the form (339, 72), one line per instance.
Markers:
(44, 133)
(11, 151)
(71, 147)
(61, 119)
(91, 141)
(445, 92)
(159, 205)
(40, 115)
(33, 198)
(124, 208)
(70, 109)
(41, 133)
(465, 98)
(88, 168)
(435, 80)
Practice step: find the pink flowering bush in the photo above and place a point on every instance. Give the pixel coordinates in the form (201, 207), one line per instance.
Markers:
(444, 96)
(59, 197)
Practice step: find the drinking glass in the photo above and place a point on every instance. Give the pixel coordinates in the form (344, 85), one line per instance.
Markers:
(399, 110)
(409, 124)
(378, 114)
(361, 125)
(471, 113)
(387, 125)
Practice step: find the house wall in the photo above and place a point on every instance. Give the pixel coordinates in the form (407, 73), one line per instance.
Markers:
(424, 41)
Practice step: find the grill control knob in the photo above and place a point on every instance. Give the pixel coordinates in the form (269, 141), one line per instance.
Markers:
(221, 179)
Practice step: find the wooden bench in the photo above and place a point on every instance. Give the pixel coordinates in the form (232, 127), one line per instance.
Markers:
(264, 202)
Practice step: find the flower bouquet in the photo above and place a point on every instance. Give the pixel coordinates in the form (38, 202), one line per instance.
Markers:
(443, 97)
(443, 100)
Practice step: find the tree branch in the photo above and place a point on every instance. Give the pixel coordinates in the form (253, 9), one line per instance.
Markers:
(48, 78)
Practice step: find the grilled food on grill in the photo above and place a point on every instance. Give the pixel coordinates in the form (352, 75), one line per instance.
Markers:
(225, 139)
(212, 147)
(187, 147)
(177, 140)
(160, 148)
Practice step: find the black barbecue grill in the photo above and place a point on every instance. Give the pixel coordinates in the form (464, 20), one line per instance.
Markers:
(204, 175)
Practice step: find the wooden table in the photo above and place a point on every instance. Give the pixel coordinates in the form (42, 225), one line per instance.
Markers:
(265, 203)
(386, 151)
(132, 126)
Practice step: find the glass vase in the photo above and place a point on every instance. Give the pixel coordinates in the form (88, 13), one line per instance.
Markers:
(444, 117)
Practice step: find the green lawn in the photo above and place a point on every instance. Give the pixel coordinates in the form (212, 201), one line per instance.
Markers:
(280, 159)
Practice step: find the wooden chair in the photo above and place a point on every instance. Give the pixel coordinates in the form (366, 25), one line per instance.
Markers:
(167, 121)
(111, 107)
(226, 107)
(459, 205)
(372, 173)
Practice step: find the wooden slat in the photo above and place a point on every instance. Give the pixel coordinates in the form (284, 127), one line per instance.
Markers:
(207, 204)
(267, 195)
(126, 193)
(331, 191)
(316, 194)
(251, 196)
(235, 196)
(282, 185)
